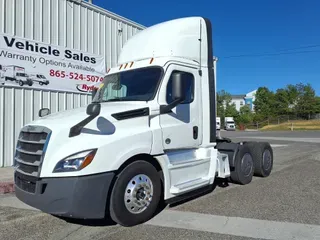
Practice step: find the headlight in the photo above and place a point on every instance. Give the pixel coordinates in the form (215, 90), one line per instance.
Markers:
(75, 162)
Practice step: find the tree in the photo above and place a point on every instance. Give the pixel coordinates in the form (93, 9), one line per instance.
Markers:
(293, 93)
(245, 115)
(223, 101)
(281, 102)
(264, 102)
(306, 104)
(220, 103)
(231, 111)
(317, 108)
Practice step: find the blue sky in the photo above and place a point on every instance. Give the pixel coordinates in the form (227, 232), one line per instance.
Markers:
(246, 27)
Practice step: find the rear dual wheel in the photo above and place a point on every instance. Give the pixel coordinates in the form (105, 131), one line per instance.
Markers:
(252, 159)
(243, 166)
(262, 154)
(136, 194)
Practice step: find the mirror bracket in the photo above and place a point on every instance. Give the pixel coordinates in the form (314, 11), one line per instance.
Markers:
(168, 108)
(93, 110)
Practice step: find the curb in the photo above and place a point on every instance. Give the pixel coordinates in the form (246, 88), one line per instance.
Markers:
(6, 187)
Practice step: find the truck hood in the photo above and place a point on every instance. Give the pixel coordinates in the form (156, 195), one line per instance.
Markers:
(69, 118)
(112, 137)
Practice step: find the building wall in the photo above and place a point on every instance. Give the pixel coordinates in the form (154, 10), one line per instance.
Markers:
(250, 98)
(238, 102)
(69, 23)
(242, 100)
(249, 102)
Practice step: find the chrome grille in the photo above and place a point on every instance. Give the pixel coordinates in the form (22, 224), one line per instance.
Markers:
(31, 147)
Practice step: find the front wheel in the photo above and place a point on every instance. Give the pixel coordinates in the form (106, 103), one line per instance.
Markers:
(136, 194)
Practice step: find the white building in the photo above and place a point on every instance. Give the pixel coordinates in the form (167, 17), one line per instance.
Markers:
(238, 100)
(250, 98)
(244, 99)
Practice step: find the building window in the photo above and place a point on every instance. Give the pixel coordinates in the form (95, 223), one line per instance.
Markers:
(241, 103)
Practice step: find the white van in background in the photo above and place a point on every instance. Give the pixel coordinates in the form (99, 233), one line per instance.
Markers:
(37, 77)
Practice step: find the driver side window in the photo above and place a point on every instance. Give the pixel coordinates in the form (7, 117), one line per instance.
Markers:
(188, 78)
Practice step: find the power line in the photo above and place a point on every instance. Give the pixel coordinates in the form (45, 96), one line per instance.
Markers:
(280, 52)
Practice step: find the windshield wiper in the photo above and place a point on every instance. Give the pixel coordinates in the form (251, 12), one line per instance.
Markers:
(113, 100)
(120, 100)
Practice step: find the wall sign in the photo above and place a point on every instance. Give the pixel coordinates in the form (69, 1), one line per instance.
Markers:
(33, 64)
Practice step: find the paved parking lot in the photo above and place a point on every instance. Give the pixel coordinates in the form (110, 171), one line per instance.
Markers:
(284, 206)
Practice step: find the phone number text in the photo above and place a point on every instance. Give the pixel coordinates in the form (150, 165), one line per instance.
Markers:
(75, 76)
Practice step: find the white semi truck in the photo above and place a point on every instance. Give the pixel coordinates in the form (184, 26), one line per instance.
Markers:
(229, 124)
(147, 138)
(218, 122)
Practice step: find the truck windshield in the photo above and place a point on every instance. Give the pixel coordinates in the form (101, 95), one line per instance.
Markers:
(133, 85)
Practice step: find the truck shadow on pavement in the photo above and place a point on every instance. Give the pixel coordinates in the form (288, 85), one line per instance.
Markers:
(90, 222)
(221, 183)
(107, 221)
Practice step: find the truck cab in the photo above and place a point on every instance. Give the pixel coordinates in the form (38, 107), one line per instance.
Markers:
(229, 124)
(218, 121)
(148, 137)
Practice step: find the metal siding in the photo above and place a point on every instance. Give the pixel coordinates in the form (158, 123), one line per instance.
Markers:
(70, 24)
(59, 22)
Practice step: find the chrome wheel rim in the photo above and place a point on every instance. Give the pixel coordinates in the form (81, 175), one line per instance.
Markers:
(138, 194)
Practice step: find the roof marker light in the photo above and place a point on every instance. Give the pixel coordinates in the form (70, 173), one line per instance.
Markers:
(120, 66)
(151, 60)
(126, 66)
(131, 64)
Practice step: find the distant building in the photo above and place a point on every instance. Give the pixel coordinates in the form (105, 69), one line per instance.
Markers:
(250, 98)
(244, 99)
(238, 100)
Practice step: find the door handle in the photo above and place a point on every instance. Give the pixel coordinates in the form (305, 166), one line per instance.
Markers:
(195, 132)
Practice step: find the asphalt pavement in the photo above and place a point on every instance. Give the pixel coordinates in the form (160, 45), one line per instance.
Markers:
(285, 205)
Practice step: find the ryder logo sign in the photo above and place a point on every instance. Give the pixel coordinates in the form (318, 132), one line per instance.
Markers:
(33, 64)
(86, 88)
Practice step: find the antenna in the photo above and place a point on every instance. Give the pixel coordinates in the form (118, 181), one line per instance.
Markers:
(200, 40)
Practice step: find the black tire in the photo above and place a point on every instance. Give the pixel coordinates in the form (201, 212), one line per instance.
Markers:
(244, 166)
(118, 210)
(21, 83)
(262, 154)
(40, 83)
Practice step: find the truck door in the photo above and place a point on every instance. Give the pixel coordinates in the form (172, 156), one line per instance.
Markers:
(181, 127)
